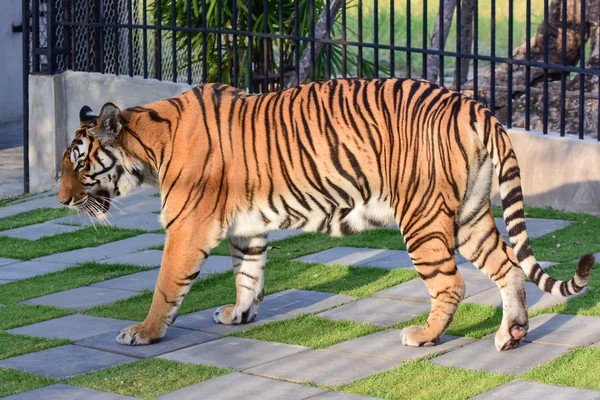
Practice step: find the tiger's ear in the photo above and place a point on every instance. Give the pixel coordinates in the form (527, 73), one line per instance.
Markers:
(109, 123)
(87, 117)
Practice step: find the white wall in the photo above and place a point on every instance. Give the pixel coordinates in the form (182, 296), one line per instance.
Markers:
(11, 63)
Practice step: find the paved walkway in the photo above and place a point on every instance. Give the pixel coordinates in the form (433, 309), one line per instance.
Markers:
(268, 369)
(11, 160)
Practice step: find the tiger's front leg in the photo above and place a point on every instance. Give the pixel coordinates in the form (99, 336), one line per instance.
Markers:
(249, 256)
(187, 247)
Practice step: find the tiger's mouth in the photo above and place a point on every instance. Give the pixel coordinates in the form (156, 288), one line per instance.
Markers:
(96, 204)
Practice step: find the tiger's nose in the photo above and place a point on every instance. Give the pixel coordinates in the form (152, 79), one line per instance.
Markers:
(65, 201)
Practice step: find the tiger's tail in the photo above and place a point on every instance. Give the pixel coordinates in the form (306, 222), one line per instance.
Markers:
(496, 141)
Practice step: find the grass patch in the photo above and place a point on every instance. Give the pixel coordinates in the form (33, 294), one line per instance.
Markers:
(15, 345)
(586, 304)
(579, 368)
(148, 378)
(17, 315)
(33, 217)
(308, 330)
(66, 279)
(13, 382)
(219, 289)
(8, 200)
(23, 249)
(471, 320)
(424, 380)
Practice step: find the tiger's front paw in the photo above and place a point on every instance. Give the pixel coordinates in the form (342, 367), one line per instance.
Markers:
(138, 334)
(417, 337)
(232, 315)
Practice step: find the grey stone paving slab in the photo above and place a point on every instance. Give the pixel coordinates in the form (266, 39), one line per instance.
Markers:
(34, 232)
(43, 202)
(66, 392)
(398, 259)
(381, 312)
(564, 330)
(141, 281)
(468, 269)
(536, 227)
(28, 269)
(65, 361)
(216, 265)
(274, 307)
(145, 258)
(482, 355)
(238, 386)
(341, 396)
(536, 298)
(82, 298)
(416, 290)
(346, 256)
(233, 352)
(527, 390)
(323, 367)
(114, 249)
(148, 222)
(283, 234)
(387, 344)
(175, 339)
(6, 261)
(73, 327)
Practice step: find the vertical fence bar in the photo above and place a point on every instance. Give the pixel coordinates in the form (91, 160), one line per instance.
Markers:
(297, 44)
(145, 38)
(51, 38)
(359, 70)
(158, 41)
(26, 52)
(424, 62)
(35, 36)
(281, 58)
(528, 67)
(441, 42)
(204, 44)
(563, 74)
(545, 95)
(249, 55)
(392, 39)
(493, 54)
(87, 37)
(376, 38)
(312, 43)
(265, 49)
(509, 97)
(328, 45)
(219, 41)
(101, 35)
(344, 38)
(174, 39)
(130, 37)
(408, 38)
(116, 36)
(476, 50)
(189, 41)
(234, 25)
(582, 26)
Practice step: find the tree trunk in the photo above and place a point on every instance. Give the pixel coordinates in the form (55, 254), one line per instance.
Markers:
(466, 34)
(433, 61)
(320, 33)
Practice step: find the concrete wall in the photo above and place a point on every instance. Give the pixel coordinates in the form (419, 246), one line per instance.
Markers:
(563, 173)
(11, 63)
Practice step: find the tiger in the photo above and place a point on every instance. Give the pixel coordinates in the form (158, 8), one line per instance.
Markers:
(337, 157)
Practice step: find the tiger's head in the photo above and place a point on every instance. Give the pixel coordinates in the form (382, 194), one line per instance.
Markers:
(95, 167)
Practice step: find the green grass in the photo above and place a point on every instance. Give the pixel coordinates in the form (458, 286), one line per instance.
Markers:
(8, 200)
(66, 279)
(87, 237)
(579, 368)
(219, 289)
(13, 382)
(148, 378)
(33, 217)
(17, 315)
(424, 380)
(15, 345)
(308, 330)
(471, 320)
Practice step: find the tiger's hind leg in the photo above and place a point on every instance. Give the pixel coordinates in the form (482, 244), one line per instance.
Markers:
(479, 241)
(431, 249)
(249, 256)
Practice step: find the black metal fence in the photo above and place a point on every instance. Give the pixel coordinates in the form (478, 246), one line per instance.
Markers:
(534, 63)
